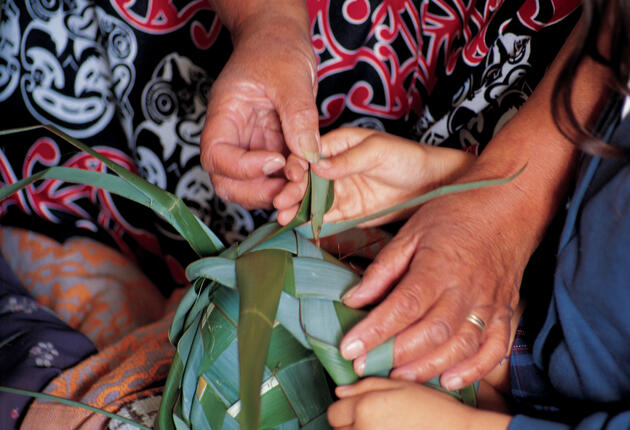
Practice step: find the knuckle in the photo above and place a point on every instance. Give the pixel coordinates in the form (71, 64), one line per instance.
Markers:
(427, 371)
(439, 332)
(207, 160)
(467, 344)
(377, 333)
(378, 269)
(478, 370)
(221, 188)
(494, 352)
(302, 113)
(408, 305)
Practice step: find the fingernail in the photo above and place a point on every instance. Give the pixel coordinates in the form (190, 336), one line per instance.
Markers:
(310, 147)
(359, 366)
(349, 293)
(272, 165)
(453, 383)
(352, 350)
(324, 164)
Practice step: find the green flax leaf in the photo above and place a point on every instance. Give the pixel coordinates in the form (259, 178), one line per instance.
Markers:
(169, 206)
(274, 229)
(321, 279)
(72, 403)
(320, 322)
(219, 269)
(105, 181)
(337, 227)
(339, 369)
(380, 360)
(260, 277)
(321, 200)
(164, 419)
(307, 395)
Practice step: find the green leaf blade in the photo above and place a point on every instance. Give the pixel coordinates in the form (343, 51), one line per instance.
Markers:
(169, 206)
(321, 200)
(261, 277)
(329, 229)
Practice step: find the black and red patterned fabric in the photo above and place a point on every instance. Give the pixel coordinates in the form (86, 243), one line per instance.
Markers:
(130, 78)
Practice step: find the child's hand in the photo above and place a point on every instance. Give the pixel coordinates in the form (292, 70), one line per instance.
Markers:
(376, 403)
(372, 171)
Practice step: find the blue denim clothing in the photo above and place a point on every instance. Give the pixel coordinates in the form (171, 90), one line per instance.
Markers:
(577, 372)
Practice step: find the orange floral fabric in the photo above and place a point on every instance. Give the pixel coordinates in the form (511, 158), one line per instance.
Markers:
(99, 292)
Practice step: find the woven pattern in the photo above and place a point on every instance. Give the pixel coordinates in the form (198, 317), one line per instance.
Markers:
(287, 313)
(310, 323)
(295, 392)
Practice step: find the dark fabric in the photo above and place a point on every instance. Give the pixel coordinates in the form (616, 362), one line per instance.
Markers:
(576, 369)
(35, 346)
(130, 78)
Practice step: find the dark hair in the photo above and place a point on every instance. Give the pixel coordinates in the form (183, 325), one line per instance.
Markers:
(595, 18)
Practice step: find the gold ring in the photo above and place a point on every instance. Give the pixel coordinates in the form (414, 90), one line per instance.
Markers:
(476, 321)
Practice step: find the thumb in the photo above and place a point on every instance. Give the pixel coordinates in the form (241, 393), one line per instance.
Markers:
(355, 160)
(297, 110)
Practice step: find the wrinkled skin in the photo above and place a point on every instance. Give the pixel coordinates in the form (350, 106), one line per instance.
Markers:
(427, 309)
(262, 106)
(457, 255)
(465, 253)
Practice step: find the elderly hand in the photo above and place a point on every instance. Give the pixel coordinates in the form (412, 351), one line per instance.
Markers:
(375, 403)
(372, 171)
(454, 258)
(460, 259)
(262, 105)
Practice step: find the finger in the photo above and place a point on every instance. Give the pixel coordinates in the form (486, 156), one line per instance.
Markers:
(366, 385)
(492, 351)
(231, 161)
(388, 266)
(438, 325)
(290, 195)
(296, 107)
(250, 194)
(460, 348)
(341, 413)
(431, 346)
(356, 160)
(399, 310)
(342, 139)
(296, 168)
(286, 216)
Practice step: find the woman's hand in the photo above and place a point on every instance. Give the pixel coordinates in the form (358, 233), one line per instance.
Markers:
(262, 105)
(372, 171)
(464, 254)
(453, 258)
(375, 403)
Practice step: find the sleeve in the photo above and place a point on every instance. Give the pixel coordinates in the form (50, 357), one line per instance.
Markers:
(596, 421)
(583, 348)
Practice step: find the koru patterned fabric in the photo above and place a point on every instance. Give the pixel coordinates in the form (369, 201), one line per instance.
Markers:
(130, 78)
